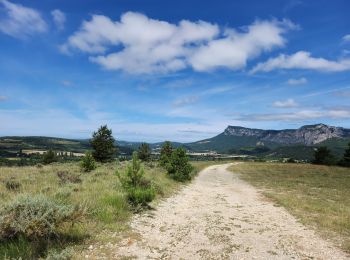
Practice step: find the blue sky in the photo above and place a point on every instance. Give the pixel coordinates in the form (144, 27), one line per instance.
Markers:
(179, 70)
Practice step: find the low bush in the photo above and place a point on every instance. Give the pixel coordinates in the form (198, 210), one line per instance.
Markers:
(12, 185)
(88, 163)
(67, 177)
(35, 218)
(140, 195)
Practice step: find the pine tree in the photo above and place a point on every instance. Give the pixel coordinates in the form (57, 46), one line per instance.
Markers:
(324, 156)
(49, 157)
(88, 163)
(103, 144)
(144, 152)
(165, 153)
(179, 167)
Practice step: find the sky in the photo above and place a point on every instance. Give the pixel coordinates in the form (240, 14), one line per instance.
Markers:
(155, 70)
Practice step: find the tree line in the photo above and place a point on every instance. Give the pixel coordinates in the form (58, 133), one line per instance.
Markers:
(323, 155)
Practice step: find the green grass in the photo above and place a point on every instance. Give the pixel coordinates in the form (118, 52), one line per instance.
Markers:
(317, 195)
(99, 191)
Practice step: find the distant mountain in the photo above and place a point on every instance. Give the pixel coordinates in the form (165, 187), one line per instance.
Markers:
(297, 143)
(307, 135)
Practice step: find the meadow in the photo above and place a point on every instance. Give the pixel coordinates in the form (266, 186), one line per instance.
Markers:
(98, 192)
(319, 196)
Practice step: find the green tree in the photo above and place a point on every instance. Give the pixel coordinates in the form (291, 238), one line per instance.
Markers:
(103, 144)
(346, 158)
(165, 153)
(88, 163)
(49, 157)
(138, 189)
(179, 167)
(144, 152)
(133, 174)
(324, 156)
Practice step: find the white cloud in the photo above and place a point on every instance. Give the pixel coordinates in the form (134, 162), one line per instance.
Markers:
(236, 48)
(299, 81)
(19, 21)
(285, 103)
(59, 18)
(147, 45)
(346, 38)
(302, 60)
(299, 115)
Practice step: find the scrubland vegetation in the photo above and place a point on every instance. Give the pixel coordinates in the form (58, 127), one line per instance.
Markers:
(52, 210)
(95, 200)
(318, 195)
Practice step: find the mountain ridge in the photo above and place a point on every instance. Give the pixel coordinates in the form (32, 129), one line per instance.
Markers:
(307, 134)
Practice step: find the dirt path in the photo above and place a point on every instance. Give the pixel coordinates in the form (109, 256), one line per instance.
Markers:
(219, 216)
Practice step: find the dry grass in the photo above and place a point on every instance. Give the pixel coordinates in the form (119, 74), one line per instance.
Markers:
(98, 191)
(317, 195)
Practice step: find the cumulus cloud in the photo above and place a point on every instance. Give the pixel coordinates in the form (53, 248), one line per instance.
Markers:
(59, 18)
(299, 81)
(285, 103)
(234, 49)
(19, 21)
(147, 45)
(302, 60)
(299, 115)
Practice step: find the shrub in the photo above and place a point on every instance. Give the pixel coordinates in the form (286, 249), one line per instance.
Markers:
(179, 168)
(49, 157)
(140, 195)
(139, 190)
(134, 173)
(12, 185)
(324, 156)
(144, 152)
(88, 163)
(103, 144)
(165, 153)
(35, 218)
(67, 177)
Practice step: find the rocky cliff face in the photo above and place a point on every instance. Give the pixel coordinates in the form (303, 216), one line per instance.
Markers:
(308, 135)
